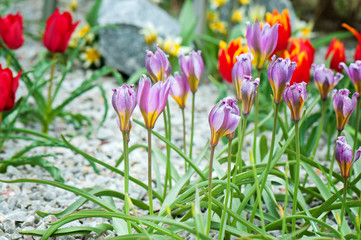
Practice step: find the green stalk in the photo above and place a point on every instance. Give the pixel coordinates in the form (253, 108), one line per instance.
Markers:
(297, 176)
(167, 126)
(284, 227)
(184, 140)
(320, 128)
(333, 161)
(150, 171)
(259, 194)
(8, 60)
(343, 204)
(223, 218)
(210, 191)
(126, 179)
(168, 147)
(192, 126)
(48, 109)
(256, 119)
(356, 123)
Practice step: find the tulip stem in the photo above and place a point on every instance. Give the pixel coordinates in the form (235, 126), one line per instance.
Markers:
(320, 127)
(284, 228)
(223, 218)
(126, 179)
(356, 123)
(210, 190)
(48, 109)
(150, 171)
(297, 177)
(333, 162)
(168, 176)
(344, 203)
(184, 138)
(256, 119)
(241, 132)
(168, 146)
(8, 60)
(192, 126)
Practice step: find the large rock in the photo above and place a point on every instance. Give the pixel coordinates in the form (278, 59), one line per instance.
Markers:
(124, 48)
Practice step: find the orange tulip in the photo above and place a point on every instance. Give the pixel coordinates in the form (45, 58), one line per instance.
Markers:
(336, 51)
(227, 56)
(284, 29)
(358, 36)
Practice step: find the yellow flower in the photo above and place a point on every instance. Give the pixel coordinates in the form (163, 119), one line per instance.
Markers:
(73, 5)
(238, 15)
(218, 26)
(244, 2)
(219, 3)
(212, 16)
(256, 12)
(91, 56)
(150, 33)
(172, 45)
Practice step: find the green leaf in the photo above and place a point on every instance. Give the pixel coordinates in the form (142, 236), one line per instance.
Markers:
(92, 16)
(263, 148)
(188, 22)
(134, 78)
(325, 40)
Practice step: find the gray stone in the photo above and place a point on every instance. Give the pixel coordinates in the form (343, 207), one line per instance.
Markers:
(9, 226)
(17, 215)
(29, 222)
(124, 48)
(4, 208)
(49, 195)
(16, 235)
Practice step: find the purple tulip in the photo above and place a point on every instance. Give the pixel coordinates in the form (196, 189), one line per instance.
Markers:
(242, 67)
(279, 75)
(262, 41)
(152, 100)
(157, 65)
(343, 106)
(192, 67)
(295, 96)
(354, 73)
(325, 80)
(344, 156)
(223, 119)
(124, 102)
(248, 93)
(180, 89)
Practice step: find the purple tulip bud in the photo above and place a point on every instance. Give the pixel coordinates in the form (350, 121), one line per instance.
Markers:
(152, 100)
(242, 67)
(180, 89)
(295, 96)
(157, 65)
(248, 93)
(223, 119)
(262, 41)
(192, 67)
(279, 75)
(325, 80)
(124, 101)
(344, 156)
(343, 106)
(354, 73)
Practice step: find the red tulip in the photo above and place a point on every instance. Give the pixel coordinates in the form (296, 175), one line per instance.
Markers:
(227, 56)
(284, 29)
(58, 30)
(336, 50)
(8, 86)
(358, 36)
(11, 30)
(302, 52)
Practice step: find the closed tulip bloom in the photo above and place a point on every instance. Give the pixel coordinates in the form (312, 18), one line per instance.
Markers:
(354, 73)
(152, 100)
(248, 93)
(227, 56)
(223, 119)
(157, 65)
(8, 86)
(242, 67)
(295, 96)
(324, 79)
(344, 156)
(279, 75)
(262, 41)
(337, 51)
(124, 101)
(343, 106)
(58, 30)
(284, 28)
(11, 30)
(179, 89)
(192, 67)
